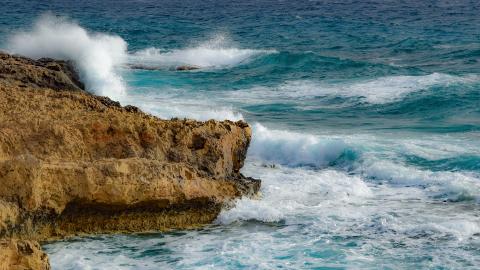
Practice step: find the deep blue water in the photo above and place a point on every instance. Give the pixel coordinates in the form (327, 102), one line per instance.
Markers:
(370, 111)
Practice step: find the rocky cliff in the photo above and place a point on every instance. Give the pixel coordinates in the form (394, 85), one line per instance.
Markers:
(75, 163)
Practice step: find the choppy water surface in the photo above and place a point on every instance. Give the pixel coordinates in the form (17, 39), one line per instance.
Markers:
(365, 116)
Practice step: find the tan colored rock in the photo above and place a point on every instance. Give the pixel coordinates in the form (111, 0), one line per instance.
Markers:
(74, 163)
(18, 254)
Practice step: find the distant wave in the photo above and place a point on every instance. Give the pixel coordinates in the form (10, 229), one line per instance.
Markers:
(376, 91)
(214, 53)
(98, 56)
(95, 54)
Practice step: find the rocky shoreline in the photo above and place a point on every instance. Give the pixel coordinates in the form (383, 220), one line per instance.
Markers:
(73, 163)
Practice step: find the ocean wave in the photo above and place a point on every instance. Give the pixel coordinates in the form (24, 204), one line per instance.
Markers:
(294, 149)
(214, 53)
(96, 55)
(375, 91)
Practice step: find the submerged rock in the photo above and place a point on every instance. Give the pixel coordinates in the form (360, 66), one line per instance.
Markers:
(144, 67)
(149, 67)
(74, 163)
(186, 67)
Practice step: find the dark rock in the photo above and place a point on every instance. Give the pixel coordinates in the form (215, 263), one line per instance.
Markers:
(42, 73)
(186, 67)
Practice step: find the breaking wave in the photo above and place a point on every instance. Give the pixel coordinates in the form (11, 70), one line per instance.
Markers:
(95, 55)
(294, 149)
(100, 56)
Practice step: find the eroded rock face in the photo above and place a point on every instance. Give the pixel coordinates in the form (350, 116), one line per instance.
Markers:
(18, 254)
(72, 162)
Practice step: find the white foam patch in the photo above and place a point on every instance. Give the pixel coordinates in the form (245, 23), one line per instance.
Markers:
(376, 91)
(294, 149)
(452, 185)
(96, 55)
(170, 106)
(214, 53)
(288, 192)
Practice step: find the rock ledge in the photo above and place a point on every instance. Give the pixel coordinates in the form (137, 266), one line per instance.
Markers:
(74, 163)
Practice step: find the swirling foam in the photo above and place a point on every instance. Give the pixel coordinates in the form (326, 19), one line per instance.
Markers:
(96, 55)
(287, 192)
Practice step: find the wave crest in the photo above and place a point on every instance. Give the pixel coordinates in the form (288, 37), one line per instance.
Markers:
(214, 53)
(294, 149)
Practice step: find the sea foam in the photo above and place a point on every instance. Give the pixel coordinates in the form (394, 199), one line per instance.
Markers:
(96, 55)
(289, 192)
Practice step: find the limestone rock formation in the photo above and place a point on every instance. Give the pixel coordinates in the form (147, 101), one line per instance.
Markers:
(74, 163)
(18, 254)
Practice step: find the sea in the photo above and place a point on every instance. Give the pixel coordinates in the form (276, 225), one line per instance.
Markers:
(365, 118)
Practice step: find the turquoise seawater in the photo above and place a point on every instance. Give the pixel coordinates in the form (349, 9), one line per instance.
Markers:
(365, 116)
